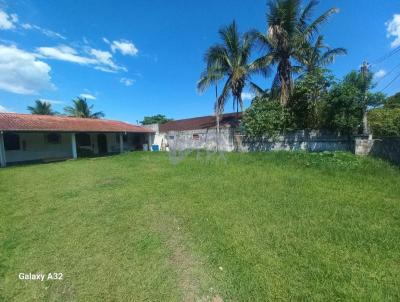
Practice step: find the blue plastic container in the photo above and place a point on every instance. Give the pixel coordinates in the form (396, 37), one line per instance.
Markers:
(155, 147)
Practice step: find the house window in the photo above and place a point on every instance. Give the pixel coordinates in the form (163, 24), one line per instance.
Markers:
(11, 141)
(171, 137)
(83, 140)
(53, 138)
(196, 137)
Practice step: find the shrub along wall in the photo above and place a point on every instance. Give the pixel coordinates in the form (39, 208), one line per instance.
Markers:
(385, 122)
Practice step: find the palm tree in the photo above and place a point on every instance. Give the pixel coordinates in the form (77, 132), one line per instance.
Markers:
(229, 61)
(318, 55)
(41, 107)
(81, 108)
(258, 91)
(289, 29)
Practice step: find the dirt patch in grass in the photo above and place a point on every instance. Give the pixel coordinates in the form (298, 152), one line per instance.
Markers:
(194, 281)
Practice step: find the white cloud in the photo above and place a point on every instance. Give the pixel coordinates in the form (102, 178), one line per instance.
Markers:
(127, 82)
(105, 40)
(247, 96)
(11, 21)
(87, 96)
(125, 47)
(101, 60)
(7, 21)
(380, 73)
(4, 109)
(105, 58)
(21, 72)
(64, 53)
(393, 30)
(46, 32)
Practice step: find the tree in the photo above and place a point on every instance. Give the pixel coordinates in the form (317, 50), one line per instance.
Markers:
(348, 101)
(343, 108)
(155, 119)
(363, 81)
(229, 61)
(265, 116)
(41, 107)
(289, 33)
(81, 108)
(305, 103)
(318, 55)
(393, 101)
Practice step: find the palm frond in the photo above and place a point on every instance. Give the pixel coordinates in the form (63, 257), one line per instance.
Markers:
(209, 77)
(262, 65)
(307, 12)
(313, 28)
(329, 56)
(230, 37)
(217, 57)
(257, 90)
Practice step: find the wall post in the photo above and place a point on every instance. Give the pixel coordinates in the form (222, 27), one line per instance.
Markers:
(363, 145)
(3, 161)
(73, 146)
(150, 149)
(121, 143)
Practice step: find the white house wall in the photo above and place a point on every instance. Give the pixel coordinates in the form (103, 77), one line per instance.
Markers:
(36, 148)
(207, 139)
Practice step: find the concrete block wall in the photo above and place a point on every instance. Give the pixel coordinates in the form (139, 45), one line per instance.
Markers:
(387, 148)
(306, 140)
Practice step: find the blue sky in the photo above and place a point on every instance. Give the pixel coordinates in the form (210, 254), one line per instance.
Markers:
(137, 58)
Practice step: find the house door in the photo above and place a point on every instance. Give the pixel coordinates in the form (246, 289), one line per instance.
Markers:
(102, 143)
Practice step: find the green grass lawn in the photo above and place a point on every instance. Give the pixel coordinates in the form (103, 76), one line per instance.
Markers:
(237, 227)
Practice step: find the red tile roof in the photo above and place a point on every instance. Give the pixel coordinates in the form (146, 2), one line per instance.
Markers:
(202, 122)
(33, 122)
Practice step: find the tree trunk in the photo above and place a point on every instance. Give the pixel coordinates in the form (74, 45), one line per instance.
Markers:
(365, 122)
(285, 70)
(217, 117)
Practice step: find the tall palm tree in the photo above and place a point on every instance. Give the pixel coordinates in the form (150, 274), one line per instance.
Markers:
(229, 61)
(81, 108)
(41, 107)
(289, 29)
(318, 55)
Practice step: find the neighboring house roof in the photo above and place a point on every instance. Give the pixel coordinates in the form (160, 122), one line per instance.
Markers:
(202, 122)
(33, 122)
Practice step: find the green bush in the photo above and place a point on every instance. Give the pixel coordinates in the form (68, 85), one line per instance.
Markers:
(343, 108)
(265, 117)
(384, 122)
(305, 102)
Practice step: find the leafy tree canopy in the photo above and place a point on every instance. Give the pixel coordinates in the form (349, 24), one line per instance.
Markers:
(305, 102)
(385, 122)
(155, 119)
(393, 101)
(288, 41)
(265, 116)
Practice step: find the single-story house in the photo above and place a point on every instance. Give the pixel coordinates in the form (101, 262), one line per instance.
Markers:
(31, 138)
(198, 133)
